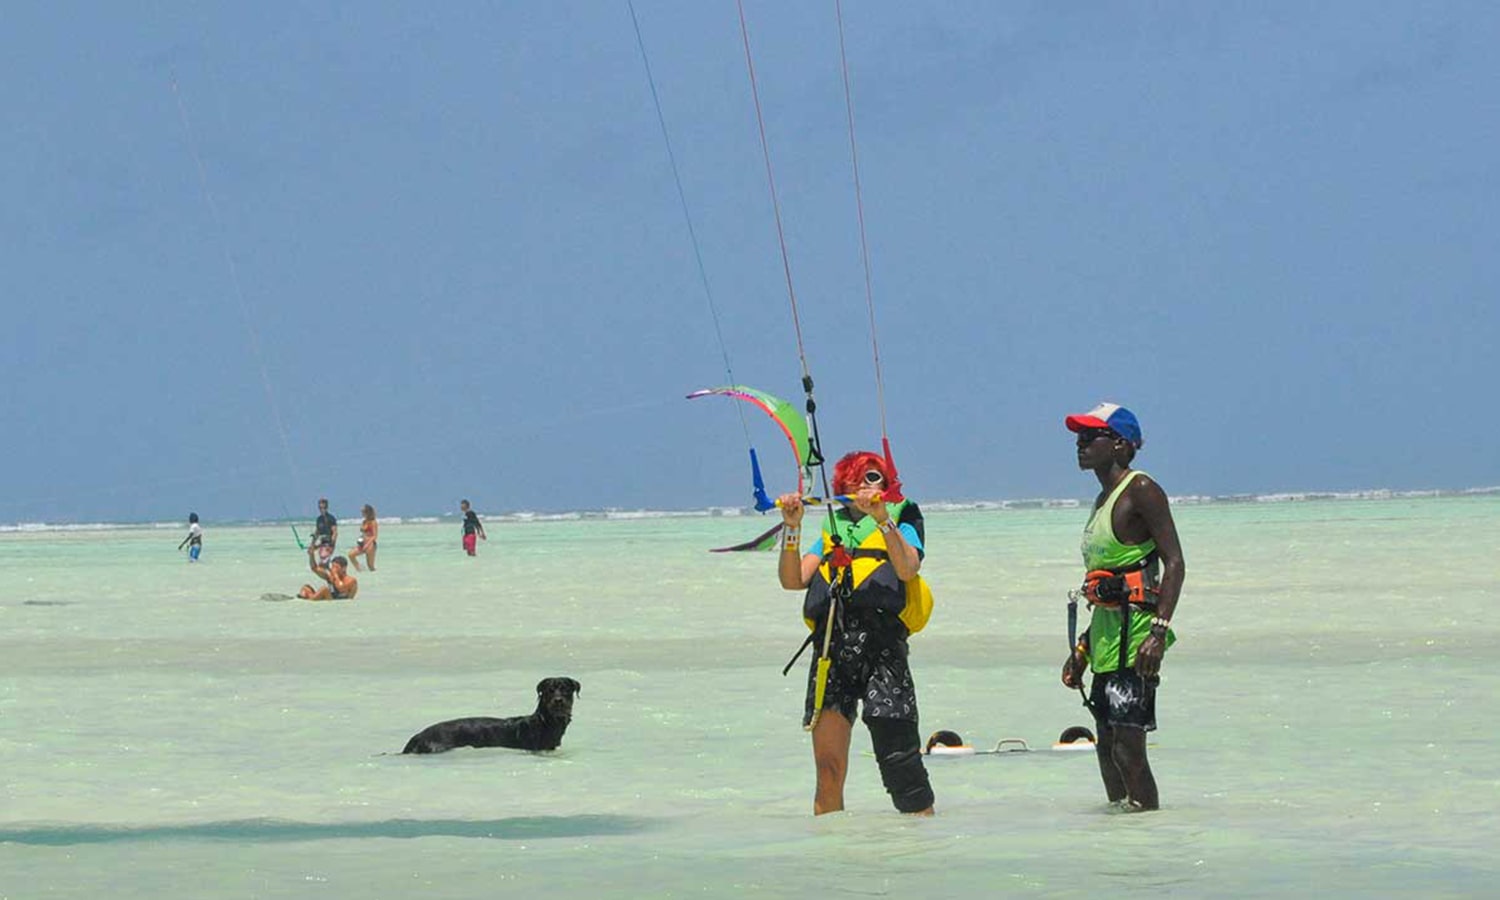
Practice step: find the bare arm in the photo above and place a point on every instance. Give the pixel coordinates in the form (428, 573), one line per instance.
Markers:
(793, 569)
(1152, 509)
(904, 557)
(346, 584)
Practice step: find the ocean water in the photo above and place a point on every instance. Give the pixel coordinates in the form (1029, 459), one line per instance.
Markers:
(1327, 716)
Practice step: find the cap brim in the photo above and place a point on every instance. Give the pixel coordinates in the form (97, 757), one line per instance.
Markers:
(1080, 422)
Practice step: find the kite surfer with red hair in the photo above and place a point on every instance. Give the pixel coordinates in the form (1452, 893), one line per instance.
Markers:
(857, 576)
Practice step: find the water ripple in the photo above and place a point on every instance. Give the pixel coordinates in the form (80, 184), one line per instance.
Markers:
(282, 831)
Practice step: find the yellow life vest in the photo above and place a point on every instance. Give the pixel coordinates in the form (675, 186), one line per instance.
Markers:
(873, 578)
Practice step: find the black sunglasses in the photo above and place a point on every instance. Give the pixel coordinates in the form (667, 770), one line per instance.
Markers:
(1089, 435)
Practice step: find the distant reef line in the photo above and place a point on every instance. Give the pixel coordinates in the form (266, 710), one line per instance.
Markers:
(621, 514)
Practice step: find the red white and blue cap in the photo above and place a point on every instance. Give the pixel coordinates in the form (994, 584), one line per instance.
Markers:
(1108, 415)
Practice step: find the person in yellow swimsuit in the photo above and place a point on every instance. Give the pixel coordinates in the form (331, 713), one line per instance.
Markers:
(1134, 575)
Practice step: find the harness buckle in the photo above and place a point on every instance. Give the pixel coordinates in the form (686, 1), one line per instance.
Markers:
(1103, 587)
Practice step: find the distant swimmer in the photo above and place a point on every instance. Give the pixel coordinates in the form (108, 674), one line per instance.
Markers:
(369, 530)
(194, 539)
(472, 528)
(856, 578)
(1135, 573)
(340, 584)
(326, 526)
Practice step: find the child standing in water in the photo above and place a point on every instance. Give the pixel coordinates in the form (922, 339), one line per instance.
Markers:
(471, 528)
(194, 539)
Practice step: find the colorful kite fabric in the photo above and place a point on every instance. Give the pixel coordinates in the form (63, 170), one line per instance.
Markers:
(792, 424)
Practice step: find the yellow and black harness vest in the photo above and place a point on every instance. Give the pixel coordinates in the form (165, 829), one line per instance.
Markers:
(872, 579)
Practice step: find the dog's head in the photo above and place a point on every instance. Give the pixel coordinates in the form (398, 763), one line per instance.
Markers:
(555, 697)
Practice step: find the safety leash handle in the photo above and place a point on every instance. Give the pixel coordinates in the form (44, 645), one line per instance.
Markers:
(825, 662)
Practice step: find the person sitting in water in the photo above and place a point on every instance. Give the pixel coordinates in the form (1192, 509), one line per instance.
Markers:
(369, 530)
(341, 585)
(194, 539)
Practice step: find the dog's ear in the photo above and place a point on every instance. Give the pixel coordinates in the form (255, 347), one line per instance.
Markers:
(541, 686)
(577, 688)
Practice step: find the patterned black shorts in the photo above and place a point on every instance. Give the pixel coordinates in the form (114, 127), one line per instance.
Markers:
(1124, 700)
(869, 668)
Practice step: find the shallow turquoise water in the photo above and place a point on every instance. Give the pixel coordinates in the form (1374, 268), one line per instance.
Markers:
(1326, 716)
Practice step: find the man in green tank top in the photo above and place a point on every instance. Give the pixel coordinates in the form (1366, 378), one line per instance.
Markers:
(1129, 543)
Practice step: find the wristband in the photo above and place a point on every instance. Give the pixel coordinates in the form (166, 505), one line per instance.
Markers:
(889, 526)
(791, 538)
(1159, 622)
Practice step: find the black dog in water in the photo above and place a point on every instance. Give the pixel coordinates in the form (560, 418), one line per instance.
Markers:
(542, 730)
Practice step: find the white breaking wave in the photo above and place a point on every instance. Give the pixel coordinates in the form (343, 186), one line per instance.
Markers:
(616, 513)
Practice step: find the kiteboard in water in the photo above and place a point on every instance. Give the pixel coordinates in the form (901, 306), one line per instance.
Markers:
(949, 743)
(277, 597)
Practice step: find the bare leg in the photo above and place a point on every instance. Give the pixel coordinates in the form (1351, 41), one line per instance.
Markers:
(831, 755)
(1129, 754)
(1109, 769)
(370, 558)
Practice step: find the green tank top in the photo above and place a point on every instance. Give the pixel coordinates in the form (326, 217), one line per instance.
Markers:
(1104, 637)
(1101, 549)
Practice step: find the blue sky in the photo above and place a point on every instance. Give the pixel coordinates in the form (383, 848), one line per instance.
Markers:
(441, 253)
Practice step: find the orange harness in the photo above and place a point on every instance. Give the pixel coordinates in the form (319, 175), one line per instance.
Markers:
(1110, 589)
(1102, 587)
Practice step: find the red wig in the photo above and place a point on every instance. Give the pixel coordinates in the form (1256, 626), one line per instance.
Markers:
(849, 472)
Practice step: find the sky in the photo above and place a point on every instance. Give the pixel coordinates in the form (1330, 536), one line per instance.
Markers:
(403, 254)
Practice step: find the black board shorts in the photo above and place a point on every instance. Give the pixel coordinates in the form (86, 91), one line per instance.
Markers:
(869, 669)
(1123, 699)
